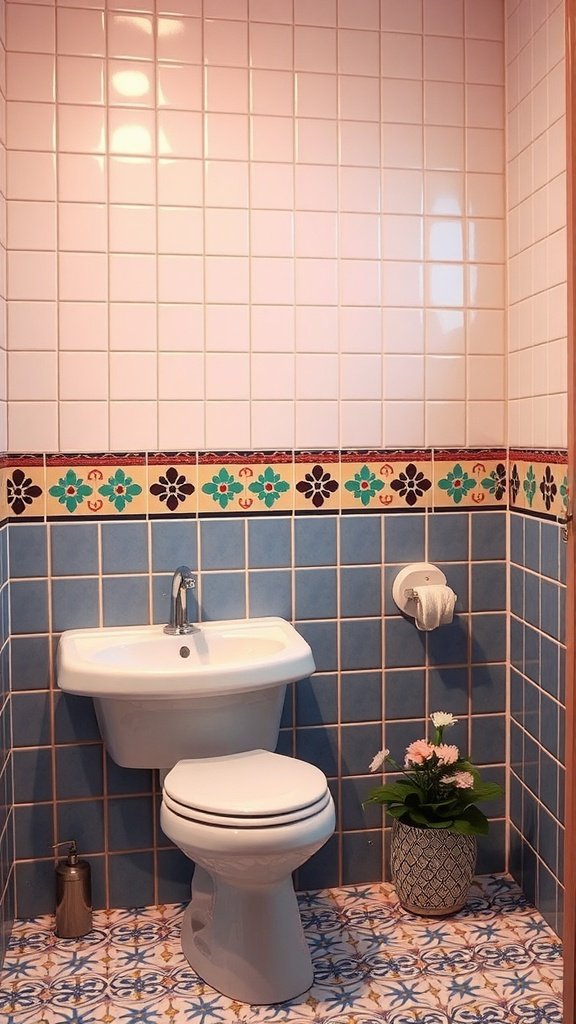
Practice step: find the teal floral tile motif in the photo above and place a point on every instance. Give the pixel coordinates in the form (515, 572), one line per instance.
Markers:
(269, 487)
(457, 483)
(364, 485)
(120, 490)
(529, 485)
(564, 493)
(70, 491)
(223, 488)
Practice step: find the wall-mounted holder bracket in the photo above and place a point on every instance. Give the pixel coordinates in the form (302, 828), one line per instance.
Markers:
(410, 580)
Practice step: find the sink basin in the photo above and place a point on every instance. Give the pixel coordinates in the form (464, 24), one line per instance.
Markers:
(143, 662)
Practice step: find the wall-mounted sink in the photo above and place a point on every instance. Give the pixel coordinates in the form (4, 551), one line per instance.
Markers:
(233, 655)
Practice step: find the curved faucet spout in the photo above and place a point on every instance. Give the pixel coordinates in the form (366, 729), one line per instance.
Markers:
(184, 579)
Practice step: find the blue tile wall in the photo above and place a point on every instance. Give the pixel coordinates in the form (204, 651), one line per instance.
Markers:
(537, 712)
(36, 560)
(377, 680)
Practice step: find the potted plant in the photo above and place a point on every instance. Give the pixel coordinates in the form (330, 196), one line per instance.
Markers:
(436, 821)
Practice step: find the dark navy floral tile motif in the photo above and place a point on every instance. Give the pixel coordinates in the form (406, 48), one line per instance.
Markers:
(317, 481)
(171, 488)
(496, 480)
(22, 490)
(317, 486)
(514, 484)
(548, 488)
(411, 483)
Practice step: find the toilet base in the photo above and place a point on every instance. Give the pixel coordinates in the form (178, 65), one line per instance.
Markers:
(247, 942)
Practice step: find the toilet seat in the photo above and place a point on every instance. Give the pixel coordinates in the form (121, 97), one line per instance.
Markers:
(253, 789)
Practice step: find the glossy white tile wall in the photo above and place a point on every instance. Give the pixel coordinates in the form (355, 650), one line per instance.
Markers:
(263, 223)
(536, 147)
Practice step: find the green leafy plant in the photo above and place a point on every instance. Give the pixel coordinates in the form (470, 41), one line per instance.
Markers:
(439, 788)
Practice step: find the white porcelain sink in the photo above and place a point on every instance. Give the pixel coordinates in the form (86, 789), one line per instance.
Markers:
(232, 656)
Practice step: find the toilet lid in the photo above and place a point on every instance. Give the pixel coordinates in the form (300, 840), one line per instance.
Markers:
(243, 821)
(253, 784)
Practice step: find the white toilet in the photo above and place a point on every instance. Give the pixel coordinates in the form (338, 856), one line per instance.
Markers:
(247, 820)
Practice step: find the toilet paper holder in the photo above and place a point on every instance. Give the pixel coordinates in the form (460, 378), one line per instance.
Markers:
(411, 579)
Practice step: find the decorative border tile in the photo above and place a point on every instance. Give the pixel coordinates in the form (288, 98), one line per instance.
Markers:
(470, 478)
(161, 484)
(96, 485)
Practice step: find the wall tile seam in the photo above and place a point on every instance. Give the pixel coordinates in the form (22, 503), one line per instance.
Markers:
(536, 742)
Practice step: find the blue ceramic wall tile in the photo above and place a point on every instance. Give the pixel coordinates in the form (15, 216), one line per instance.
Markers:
(404, 645)
(32, 775)
(124, 547)
(448, 689)
(28, 550)
(550, 550)
(549, 665)
(532, 544)
(31, 719)
(319, 746)
(130, 823)
(488, 688)
(30, 660)
(456, 574)
(448, 645)
(532, 709)
(448, 537)
(174, 876)
(125, 601)
(361, 856)
(360, 540)
(354, 815)
(517, 538)
(549, 782)
(33, 830)
(516, 748)
(530, 763)
(74, 719)
(488, 739)
(317, 700)
(315, 594)
(398, 735)
(74, 604)
(516, 644)
(488, 536)
(287, 718)
(98, 879)
(549, 724)
(269, 543)
(516, 591)
(82, 820)
(34, 887)
(358, 745)
(285, 744)
(321, 871)
(404, 693)
(360, 591)
(515, 801)
(223, 596)
(550, 611)
(361, 696)
(29, 606)
(548, 839)
(323, 639)
(79, 771)
(222, 544)
(315, 541)
(174, 543)
(126, 781)
(131, 879)
(361, 644)
(74, 549)
(547, 896)
(532, 598)
(488, 637)
(489, 587)
(492, 849)
(404, 538)
(270, 593)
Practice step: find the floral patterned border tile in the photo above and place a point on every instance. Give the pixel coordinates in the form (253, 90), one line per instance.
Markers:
(386, 480)
(96, 485)
(317, 481)
(539, 486)
(469, 478)
(172, 483)
(23, 492)
(245, 482)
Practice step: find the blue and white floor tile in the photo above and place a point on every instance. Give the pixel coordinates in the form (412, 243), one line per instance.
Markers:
(496, 962)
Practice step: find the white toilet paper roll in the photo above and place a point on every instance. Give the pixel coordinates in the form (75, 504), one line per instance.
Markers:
(434, 606)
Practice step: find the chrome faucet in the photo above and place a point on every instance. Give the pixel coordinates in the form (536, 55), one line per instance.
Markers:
(182, 581)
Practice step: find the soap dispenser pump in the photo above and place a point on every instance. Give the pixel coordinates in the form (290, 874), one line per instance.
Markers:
(73, 895)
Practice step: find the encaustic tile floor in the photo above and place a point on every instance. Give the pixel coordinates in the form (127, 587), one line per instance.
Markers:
(496, 962)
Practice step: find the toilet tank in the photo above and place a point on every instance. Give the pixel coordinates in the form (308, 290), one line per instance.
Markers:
(158, 733)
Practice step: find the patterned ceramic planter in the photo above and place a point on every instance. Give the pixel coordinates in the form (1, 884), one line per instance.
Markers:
(431, 869)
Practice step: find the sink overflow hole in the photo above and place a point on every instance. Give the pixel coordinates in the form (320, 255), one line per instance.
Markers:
(184, 652)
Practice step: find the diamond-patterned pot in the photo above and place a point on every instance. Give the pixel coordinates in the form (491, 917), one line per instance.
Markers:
(431, 868)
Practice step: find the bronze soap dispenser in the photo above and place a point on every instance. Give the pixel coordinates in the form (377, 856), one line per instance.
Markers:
(73, 895)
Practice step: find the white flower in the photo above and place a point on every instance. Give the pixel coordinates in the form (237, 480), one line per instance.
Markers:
(440, 719)
(378, 760)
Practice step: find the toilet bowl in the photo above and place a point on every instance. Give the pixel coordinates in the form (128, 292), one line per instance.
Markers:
(247, 820)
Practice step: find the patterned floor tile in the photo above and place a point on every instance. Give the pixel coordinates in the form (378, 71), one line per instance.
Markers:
(496, 962)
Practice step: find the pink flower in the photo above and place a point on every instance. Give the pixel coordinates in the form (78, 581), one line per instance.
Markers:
(418, 752)
(447, 753)
(462, 780)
